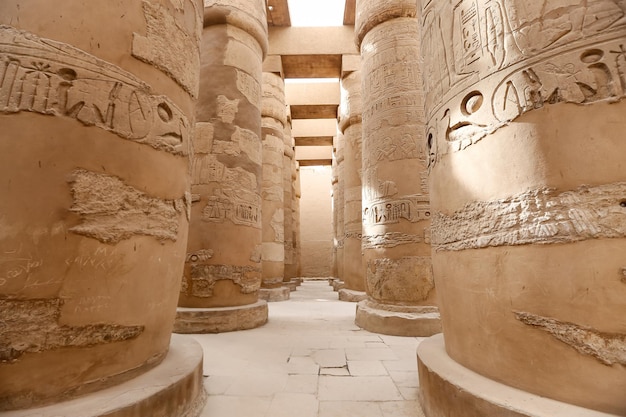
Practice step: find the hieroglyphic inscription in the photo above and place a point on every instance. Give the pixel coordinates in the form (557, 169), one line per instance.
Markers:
(390, 240)
(239, 206)
(250, 87)
(172, 42)
(43, 76)
(111, 211)
(608, 348)
(32, 326)
(227, 109)
(241, 141)
(499, 59)
(203, 278)
(410, 208)
(542, 216)
(402, 279)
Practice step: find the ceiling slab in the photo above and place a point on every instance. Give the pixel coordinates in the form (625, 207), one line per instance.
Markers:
(315, 162)
(278, 13)
(349, 12)
(317, 111)
(314, 141)
(312, 66)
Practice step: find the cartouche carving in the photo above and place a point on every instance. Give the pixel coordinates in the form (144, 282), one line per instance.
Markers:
(511, 63)
(52, 78)
(202, 278)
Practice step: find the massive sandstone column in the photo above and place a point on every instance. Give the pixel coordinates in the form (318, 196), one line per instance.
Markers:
(223, 268)
(526, 126)
(350, 127)
(274, 119)
(289, 177)
(297, 194)
(338, 209)
(396, 212)
(96, 114)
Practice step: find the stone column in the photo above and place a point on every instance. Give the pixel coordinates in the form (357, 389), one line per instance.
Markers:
(396, 212)
(297, 193)
(526, 125)
(334, 183)
(274, 119)
(97, 115)
(350, 127)
(338, 204)
(223, 268)
(290, 276)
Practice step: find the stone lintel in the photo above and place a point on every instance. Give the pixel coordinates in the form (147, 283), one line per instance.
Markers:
(447, 388)
(415, 321)
(220, 319)
(175, 384)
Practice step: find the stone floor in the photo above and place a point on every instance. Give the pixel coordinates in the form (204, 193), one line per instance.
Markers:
(310, 360)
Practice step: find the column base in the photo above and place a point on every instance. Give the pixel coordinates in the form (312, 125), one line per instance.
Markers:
(338, 284)
(220, 319)
(174, 388)
(351, 295)
(275, 294)
(395, 320)
(448, 389)
(292, 285)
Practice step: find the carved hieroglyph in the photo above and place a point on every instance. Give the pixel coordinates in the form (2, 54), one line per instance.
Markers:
(94, 149)
(226, 167)
(524, 102)
(396, 210)
(274, 119)
(350, 123)
(47, 77)
(496, 60)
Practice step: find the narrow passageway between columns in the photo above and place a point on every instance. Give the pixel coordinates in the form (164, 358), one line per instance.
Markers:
(310, 360)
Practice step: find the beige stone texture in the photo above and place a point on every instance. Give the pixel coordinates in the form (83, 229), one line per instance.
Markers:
(227, 169)
(401, 320)
(526, 181)
(352, 296)
(350, 118)
(288, 179)
(220, 319)
(274, 119)
(396, 209)
(441, 379)
(339, 203)
(94, 152)
(174, 388)
(275, 293)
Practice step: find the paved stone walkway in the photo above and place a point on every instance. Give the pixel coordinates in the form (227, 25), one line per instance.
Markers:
(310, 360)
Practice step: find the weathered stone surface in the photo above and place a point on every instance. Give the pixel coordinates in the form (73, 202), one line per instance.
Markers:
(275, 294)
(172, 42)
(543, 216)
(33, 326)
(174, 388)
(94, 152)
(608, 348)
(524, 105)
(351, 295)
(111, 211)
